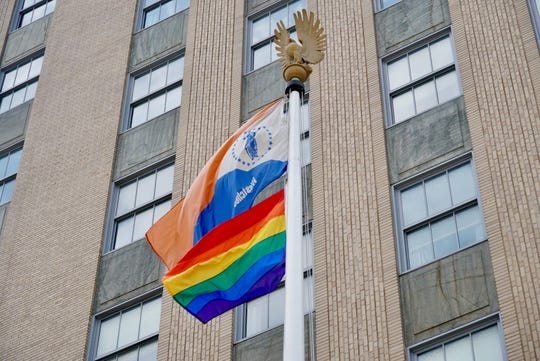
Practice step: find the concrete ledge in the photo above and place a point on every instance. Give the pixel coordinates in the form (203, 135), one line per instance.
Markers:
(3, 212)
(13, 124)
(26, 40)
(127, 273)
(261, 87)
(146, 144)
(159, 40)
(253, 6)
(407, 21)
(267, 346)
(448, 293)
(427, 139)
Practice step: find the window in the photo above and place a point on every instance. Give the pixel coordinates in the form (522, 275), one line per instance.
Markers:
(261, 33)
(32, 10)
(480, 344)
(9, 164)
(156, 91)
(19, 84)
(420, 79)
(305, 142)
(383, 4)
(131, 334)
(439, 215)
(268, 311)
(139, 204)
(155, 10)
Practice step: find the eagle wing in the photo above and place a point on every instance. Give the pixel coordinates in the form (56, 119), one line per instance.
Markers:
(310, 35)
(282, 39)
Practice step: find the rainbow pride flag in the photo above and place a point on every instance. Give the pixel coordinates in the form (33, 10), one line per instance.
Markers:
(237, 261)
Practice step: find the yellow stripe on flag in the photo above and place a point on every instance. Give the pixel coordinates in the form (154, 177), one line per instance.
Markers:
(205, 270)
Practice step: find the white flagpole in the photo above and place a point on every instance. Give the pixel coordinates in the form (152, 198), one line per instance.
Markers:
(293, 343)
(296, 70)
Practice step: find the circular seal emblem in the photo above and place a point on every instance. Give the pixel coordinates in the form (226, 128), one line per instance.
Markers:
(252, 145)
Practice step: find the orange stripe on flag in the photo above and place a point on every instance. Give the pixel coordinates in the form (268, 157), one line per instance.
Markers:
(233, 233)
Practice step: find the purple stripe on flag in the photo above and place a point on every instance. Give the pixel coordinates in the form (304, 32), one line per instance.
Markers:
(268, 283)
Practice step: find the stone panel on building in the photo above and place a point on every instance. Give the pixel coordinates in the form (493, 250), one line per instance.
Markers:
(448, 293)
(146, 144)
(126, 273)
(408, 21)
(26, 40)
(153, 43)
(13, 124)
(427, 139)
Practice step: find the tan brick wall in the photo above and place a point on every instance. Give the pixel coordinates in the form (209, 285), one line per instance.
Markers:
(356, 285)
(50, 245)
(52, 238)
(500, 71)
(209, 113)
(6, 12)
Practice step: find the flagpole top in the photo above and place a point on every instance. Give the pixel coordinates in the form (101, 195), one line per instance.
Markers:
(294, 84)
(296, 57)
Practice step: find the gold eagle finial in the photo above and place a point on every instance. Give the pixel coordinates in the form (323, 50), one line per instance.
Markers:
(296, 58)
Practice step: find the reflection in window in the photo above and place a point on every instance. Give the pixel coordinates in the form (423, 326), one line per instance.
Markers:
(139, 204)
(383, 4)
(32, 10)
(130, 334)
(261, 34)
(156, 92)
(19, 84)
(155, 10)
(440, 215)
(421, 79)
(482, 345)
(268, 311)
(9, 164)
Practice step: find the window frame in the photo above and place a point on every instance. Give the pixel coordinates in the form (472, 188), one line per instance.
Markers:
(401, 228)
(130, 104)
(99, 317)
(534, 9)
(467, 329)
(379, 5)
(388, 94)
(19, 12)
(142, 10)
(240, 312)
(250, 19)
(114, 219)
(23, 85)
(6, 153)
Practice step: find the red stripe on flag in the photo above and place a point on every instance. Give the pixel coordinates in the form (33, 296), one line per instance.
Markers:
(227, 235)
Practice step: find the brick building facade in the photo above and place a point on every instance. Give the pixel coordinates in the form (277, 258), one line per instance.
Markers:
(421, 173)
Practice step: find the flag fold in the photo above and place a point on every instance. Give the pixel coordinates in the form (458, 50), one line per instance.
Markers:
(237, 261)
(253, 157)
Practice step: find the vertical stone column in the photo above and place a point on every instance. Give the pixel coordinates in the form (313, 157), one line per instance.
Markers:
(210, 112)
(500, 71)
(52, 237)
(356, 285)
